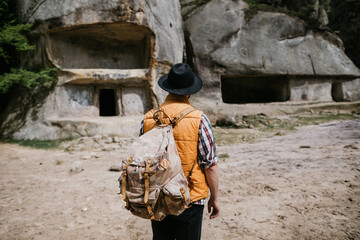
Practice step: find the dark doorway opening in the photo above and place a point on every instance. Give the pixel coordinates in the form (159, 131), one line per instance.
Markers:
(255, 89)
(107, 102)
(336, 92)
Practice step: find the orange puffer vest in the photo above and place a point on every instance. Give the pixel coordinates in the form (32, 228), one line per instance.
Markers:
(186, 134)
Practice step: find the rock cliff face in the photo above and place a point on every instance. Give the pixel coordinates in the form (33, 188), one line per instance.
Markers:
(111, 54)
(271, 57)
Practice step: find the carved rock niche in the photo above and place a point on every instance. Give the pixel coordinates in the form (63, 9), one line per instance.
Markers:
(255, 89)
(111, 59)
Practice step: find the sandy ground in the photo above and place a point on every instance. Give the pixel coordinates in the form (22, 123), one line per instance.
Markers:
(304, 185)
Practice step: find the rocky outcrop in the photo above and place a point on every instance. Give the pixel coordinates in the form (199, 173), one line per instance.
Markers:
(109, 54)
(271, 57)
(155, 27)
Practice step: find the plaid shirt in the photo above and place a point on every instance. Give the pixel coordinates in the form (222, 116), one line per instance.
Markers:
(206, 147)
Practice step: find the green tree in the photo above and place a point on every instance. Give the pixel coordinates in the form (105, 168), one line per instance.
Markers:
(12, 41)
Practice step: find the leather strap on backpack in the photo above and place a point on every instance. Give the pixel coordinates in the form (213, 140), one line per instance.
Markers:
(183, 114)
(182, 190)
(147, 188)
(123, 190)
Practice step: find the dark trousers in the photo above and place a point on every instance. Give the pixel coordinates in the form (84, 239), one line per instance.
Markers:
(186, 226)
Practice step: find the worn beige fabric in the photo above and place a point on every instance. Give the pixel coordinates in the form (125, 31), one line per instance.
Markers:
(168, 192)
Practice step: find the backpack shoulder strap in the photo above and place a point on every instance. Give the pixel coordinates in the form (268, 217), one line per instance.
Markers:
(177, 119)
(158, 117)
(183, 114)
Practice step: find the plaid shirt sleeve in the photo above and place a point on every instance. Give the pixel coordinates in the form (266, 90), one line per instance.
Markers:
(206, 147)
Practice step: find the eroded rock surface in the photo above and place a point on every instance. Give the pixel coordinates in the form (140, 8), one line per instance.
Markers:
(270, 57)
(111, 54)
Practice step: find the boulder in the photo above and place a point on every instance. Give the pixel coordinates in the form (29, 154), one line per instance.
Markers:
(110, 53)
(262, 58)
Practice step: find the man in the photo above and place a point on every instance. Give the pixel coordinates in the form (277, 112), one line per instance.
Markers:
(195, 143)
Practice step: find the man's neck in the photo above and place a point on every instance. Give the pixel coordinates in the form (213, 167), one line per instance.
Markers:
(181, 98)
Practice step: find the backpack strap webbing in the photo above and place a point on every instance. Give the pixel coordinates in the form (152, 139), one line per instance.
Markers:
(176, 120)
(147, 188)
(183, 114)
(158, 116)
(182, 190)
(123, 192)
(190, 181)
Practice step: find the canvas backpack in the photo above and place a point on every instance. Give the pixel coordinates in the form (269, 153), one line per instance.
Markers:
(152, 181)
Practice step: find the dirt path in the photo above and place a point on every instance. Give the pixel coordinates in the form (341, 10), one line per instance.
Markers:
(305, 185)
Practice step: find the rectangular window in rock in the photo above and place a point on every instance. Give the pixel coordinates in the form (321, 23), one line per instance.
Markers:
(255, 89)
(107, 102)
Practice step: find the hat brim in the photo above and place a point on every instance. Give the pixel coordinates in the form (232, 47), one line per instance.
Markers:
(194, 88)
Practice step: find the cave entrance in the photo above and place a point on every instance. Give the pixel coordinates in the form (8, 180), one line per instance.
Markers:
(255, 89)
(336, 92)
(107, 102)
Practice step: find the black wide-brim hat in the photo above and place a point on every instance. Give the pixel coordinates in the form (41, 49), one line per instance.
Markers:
(180, 80)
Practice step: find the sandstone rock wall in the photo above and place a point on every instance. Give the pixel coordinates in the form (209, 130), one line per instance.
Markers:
(111, 54)
(270, 57)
